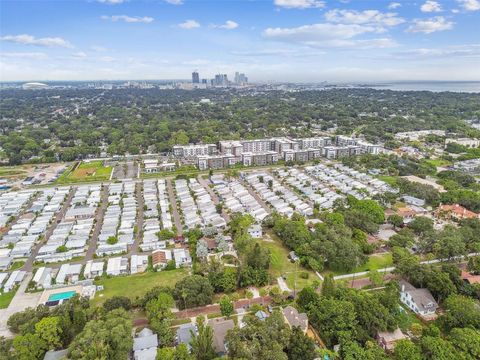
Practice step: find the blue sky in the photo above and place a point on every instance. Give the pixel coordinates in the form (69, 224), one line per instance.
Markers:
(283, 40)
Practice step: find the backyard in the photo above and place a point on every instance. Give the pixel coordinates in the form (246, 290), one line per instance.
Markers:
(134, 286)
(375, 262)
(280, 265)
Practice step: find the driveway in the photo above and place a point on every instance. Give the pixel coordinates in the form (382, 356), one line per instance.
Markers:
(20, 302)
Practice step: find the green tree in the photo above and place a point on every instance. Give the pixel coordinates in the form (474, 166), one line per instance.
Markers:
(226, 306)
(108, 337)
(116, 302)
(202, 342)
(29, 347)
(461, 312)
(191, 291)
(407, 350)
(48, 329)
(466, 340)
(328, 286)
(300, 347)
(395, 220)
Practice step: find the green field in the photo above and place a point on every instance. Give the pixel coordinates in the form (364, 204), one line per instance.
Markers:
(13, 171)
(375, 262)
(438, 162)
(137, 285)
(390, 180)
(6, 299)
(280, 265)
(85, 172)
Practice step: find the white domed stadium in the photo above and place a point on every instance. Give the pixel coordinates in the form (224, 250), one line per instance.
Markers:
(34, 86)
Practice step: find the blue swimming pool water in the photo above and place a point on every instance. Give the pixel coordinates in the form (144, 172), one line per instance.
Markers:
(62, 296)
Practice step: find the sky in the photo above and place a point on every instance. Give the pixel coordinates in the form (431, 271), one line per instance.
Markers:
(268, 40)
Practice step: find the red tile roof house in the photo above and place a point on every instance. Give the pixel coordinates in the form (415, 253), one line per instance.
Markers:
(455, 212)
(470, 278)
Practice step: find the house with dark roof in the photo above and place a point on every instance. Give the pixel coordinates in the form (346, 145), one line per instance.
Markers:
(420, 301)
(293, 318)
(184, 334)
(145, 345)
(220, 329)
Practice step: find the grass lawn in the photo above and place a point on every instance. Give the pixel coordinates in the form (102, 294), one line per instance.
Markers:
(6, 299)
(375, 262)
(17, 265)
(438, 162)
(137, 285)
(86, 171)
(280, 265)
(13, 171)
(390, 180)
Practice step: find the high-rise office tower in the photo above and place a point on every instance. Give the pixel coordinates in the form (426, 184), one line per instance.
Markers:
(195, 77)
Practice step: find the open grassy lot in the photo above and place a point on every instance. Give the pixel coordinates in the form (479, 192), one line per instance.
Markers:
(6, 299)
(86, 171)
(390, 180)
(137, 285)
(13, 172)
(281, 265)
(438, 162)
(375, 262)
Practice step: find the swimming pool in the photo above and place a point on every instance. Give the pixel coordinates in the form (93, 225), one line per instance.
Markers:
(61, 296)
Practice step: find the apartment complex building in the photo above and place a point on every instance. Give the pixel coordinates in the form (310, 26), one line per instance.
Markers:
(269, 151)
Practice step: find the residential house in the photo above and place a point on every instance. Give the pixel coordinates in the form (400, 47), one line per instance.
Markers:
(117, 266)
(220, 329)
(138, 263)
(160, 258)
(420, 301)
(455, 212)
(294, 318)
(184, 334)
(255, 231)
(145, 345)
(388, 339)
(43, 278)
(93, 269)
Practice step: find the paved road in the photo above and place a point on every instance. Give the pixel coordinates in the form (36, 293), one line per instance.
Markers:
(214, 196)
(99, 214)
(255, 195)
(138, 235)
(20, 302)
(28, 266)
(173, 202)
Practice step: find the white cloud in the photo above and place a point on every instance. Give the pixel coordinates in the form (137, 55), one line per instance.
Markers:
(128, 19)
(299, 4)
(98, 48)
(111, 2)
(32, 40)
(174, 2)
(229, 25)
(428, 26)
(431, 6)
(329, 35)
(25, 55)
(107, 59)
(470, 5)
(189, 24)
(394, 5)
(463, 51)
(370, 17)
(79, 55)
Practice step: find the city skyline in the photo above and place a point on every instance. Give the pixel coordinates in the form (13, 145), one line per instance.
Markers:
(286, 40)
